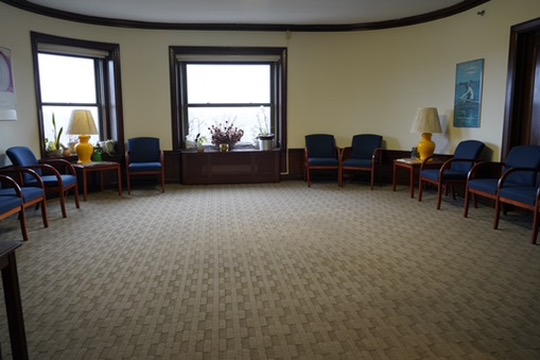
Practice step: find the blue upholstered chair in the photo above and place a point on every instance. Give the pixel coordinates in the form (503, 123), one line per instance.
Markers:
(453, 171)
(34, 196)
(527, 198)
(12, 203)
(144, 157)
(518, 185)
(321, 154)
(363, 155)
(483, 179)
(58, 175)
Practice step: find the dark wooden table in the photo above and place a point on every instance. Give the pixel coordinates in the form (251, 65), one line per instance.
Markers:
(12, 296)
(101, 167)
(411, 165)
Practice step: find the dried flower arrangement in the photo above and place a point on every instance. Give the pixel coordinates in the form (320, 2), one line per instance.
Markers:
(225, 133)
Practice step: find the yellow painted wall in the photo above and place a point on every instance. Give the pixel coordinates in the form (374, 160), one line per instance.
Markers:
(339, 83)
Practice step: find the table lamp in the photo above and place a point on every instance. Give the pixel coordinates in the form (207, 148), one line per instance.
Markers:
(82, 123)
(426, 122)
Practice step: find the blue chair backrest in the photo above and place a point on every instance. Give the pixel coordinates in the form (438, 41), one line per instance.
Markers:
(523, 156)
(144, 149)
(468, 150)
(21, 156)
(364, 145)
(321, 146)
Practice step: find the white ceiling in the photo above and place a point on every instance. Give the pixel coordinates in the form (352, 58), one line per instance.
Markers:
(292, 12)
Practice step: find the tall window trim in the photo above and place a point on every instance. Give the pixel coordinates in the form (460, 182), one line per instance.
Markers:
(108, 83)
(180, 55)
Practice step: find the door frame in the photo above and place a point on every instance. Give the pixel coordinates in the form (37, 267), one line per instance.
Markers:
(518, 75)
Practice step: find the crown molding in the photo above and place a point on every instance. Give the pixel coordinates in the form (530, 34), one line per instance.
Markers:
(378, 25)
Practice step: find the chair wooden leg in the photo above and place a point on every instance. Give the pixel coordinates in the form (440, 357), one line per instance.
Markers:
(62, 196)
(162, 182)
(44, 213)
(439, 194)
(475, 203)
(76, 195)
(372, 178)
(535, 225)
(497, 213)
(466, 206)
(22, 220)
(128, 183)
(420, 189)
(308, 177)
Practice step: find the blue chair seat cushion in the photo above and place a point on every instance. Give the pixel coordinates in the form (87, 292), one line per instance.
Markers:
(487, 186)
(449, 175)
(52, 181)
(357, 163)
(328, 162)
(29, 193)
(524, 195)
(8, 203)
(145, 167)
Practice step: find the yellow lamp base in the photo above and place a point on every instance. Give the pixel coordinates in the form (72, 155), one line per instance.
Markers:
(84, 150)
(426, 147)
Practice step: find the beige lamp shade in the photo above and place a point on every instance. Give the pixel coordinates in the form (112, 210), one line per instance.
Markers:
(426, 122)
(82, 123)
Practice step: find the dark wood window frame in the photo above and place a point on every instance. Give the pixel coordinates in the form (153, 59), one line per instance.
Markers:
(108, 83)
(179, 93)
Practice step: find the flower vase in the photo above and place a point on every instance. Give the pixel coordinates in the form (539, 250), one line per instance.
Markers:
(223, 147)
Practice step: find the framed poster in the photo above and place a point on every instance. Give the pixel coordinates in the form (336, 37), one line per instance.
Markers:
(468, 93)
(8, 100)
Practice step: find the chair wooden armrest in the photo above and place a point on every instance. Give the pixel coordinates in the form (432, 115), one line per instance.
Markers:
(507, 173)
(338, 152)
(8, 181)
(20, 171)
(377, 155)
(430, 162)
(47, 169)
(344, 153)
(127, 157)
(448, 163)
(61, 165)
(486, 169)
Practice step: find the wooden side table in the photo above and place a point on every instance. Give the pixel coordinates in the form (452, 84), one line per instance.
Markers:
(101, 167)
(412, 165)
(12, 296)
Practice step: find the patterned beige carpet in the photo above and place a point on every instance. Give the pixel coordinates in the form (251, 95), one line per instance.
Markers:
(277, 271)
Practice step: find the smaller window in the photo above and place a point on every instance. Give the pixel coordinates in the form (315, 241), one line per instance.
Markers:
(67, 83)
(77, 74)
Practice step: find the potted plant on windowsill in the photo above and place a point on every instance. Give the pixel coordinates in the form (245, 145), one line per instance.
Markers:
(225, 136)
(55, 147)
(199, 142)
(265, 137)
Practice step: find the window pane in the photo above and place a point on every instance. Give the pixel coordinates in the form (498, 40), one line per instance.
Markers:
(253, 120)
(66, 79)
(228, 83)
(61, 117)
